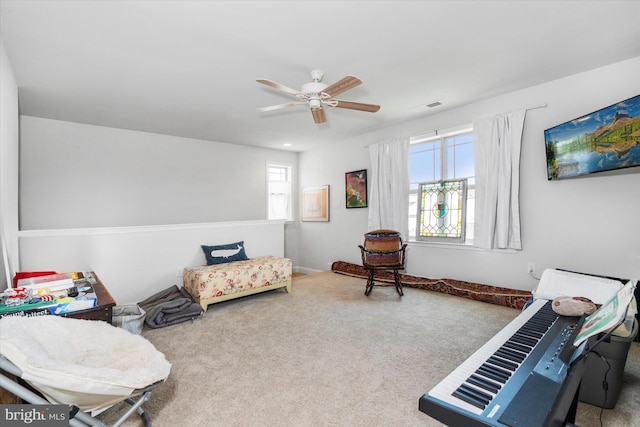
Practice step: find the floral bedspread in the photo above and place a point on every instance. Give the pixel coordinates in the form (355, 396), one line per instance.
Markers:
(211, 281)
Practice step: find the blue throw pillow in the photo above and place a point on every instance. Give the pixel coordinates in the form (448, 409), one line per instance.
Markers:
(220, 254)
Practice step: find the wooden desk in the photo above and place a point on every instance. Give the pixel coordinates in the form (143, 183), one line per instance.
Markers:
(103, 309)
(104, 305)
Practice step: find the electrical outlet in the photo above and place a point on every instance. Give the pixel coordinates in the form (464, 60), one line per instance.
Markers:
(531, 268)
(179, 271)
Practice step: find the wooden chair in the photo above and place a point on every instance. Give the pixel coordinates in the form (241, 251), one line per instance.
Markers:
(383, 250)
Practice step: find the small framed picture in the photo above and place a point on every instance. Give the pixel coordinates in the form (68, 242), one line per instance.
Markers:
(356, 189)
(315, 203)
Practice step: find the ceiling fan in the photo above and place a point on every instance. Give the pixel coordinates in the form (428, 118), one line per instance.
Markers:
(317, 95)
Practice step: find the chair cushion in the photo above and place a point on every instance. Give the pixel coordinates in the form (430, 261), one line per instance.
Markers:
(382, 241)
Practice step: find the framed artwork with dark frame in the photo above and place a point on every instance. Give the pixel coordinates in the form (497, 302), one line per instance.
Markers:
(315, 203)
(356, 189)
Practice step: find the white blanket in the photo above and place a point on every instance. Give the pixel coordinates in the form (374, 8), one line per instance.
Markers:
(90, 364)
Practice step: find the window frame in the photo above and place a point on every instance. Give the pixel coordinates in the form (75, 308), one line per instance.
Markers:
(290, 172)
(441, 175)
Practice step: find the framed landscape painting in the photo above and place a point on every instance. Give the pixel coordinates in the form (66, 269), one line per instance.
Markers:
(603, 140)
(356, 189)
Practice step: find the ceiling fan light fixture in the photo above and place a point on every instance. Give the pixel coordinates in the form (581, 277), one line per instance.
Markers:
(315, 103)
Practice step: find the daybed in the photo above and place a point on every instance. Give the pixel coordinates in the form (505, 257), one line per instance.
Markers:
(221, 282)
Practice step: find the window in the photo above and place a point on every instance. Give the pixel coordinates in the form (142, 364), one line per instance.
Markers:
(442, 187)
(279, 194)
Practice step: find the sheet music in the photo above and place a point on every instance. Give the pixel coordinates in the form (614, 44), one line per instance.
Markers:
(609, 316)
(558, 283)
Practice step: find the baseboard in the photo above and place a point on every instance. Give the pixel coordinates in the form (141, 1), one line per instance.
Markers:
(305, 270)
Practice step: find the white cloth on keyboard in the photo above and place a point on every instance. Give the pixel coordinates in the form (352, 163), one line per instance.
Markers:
(557, 283)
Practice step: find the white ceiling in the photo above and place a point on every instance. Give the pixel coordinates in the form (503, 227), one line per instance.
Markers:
(189, 68)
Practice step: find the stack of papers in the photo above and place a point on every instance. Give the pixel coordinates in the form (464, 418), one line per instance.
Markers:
(55, 282)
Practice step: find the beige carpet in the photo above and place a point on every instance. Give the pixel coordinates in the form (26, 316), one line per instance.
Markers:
(326, 355)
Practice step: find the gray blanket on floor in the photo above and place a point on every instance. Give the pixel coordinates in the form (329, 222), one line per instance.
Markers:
(169, 307)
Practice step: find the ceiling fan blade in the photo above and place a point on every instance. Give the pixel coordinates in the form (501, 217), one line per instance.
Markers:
(279, 86)
(319, 115)
(342, 85)
(370, 108)
(279, 106)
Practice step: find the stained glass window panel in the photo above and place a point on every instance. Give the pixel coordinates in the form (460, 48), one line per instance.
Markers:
(442, 213)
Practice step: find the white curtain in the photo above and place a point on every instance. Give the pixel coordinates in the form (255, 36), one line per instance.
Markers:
(279, 199)
(497, 162)
(389, 186)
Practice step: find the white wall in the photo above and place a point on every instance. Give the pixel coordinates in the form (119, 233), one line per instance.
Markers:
(137, 262)
(135, 206)
(585, 224)
(8, 170)
(75, 175)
